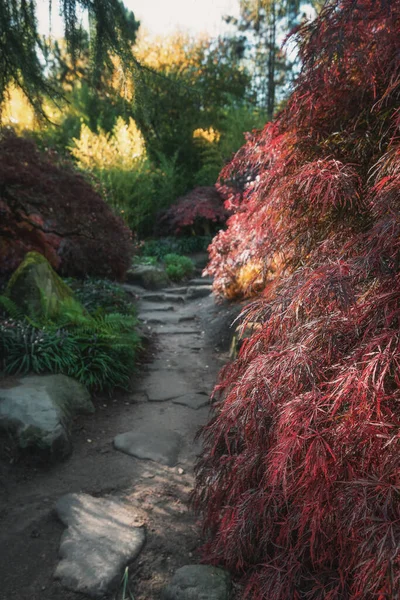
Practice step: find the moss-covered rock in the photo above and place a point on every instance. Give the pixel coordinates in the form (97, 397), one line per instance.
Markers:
(148, 276)
(39, 292)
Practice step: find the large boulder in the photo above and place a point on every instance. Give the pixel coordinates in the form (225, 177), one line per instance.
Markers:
(37, 410)
(149, 277)
(38, 291)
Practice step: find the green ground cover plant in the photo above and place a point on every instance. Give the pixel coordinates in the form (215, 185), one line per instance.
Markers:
(175, 245)
(96, 346)
(101, 296)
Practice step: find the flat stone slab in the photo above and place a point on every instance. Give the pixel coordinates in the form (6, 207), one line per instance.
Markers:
(136, 290)
(194, 401)
(161, 446)
(159, 297)
(198, 291)
(198, 582)
(154, 307)
(176, 290)
(100, 540)
(187, 318)
(172, 330)
(201, 281)
(159, 318)
(165, 385)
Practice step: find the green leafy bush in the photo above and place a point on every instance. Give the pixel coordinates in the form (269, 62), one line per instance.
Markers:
(178, 267)
(175, 245)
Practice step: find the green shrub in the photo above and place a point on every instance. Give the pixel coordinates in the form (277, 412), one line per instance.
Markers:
(159, 248)
(178, 267)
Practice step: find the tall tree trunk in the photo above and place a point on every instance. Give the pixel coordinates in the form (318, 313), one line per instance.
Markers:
(271, 62)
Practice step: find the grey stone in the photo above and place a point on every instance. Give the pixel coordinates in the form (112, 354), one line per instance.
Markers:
(154, 307)
(194, 401)
(198, 291)
(165, 385)
(148, 276)
(171, 297)
(200, 259)
(159, 445)
(187, 318)
(176, 330)
(159, 318)
(154, 297)
(198, 582)
(161, 297)
(100, 540)
(201, 281)
(219, 321)
(134, 290)
(38, 410)
(177, 290)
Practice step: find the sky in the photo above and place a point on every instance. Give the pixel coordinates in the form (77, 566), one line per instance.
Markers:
(160, 16)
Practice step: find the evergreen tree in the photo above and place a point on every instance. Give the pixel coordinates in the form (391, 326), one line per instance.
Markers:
(112, 31)
(259, 27)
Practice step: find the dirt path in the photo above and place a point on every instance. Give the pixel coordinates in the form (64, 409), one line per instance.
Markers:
(171, 395)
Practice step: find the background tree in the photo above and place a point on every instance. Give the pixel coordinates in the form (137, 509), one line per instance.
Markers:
(191, 84)
(113, 30)
(260, 31)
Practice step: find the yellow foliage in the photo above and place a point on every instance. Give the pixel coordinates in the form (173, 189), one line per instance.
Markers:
(248, 280)
(210, 135)
(17, 112)
(175, 52)
(121, 149)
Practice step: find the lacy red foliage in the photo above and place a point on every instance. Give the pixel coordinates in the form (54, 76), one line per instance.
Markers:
(299, 480)
(55, 211)
(197, 210)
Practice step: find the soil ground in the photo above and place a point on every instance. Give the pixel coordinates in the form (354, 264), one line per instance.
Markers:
(29, 488)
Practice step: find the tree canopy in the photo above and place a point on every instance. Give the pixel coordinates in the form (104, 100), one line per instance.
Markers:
(112, 31)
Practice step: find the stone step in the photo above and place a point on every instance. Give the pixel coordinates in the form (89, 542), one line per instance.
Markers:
(160, 297)
(136, 290)
(186, 318)
(146, 307)
(177, 290)
(199, 291)
(159, 317)
(200, 281)
(175, 330)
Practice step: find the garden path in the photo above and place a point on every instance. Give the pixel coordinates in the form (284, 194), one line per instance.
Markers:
(152, 474)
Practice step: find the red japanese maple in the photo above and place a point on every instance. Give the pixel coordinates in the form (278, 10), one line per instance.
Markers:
(299, 480)
(196, 211)
(56, 212)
